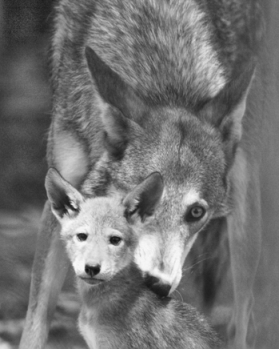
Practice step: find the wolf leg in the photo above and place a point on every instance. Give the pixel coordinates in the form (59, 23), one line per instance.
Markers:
(49, 271)
(244, 230)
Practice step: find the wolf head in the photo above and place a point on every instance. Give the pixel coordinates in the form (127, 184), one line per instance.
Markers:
(193, 149)
(103, 235)
(165, 91)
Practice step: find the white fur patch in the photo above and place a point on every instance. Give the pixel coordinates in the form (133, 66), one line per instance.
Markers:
(191, 197)
(70, 158)
(176, 278)
(147, 254)
(89, 333)
(167, 278)
(79, 266)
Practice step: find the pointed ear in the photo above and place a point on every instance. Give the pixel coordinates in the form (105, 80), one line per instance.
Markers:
(121, 104)
(226, 110)
(63, 197)
(113, 89)
(231, 130)
(116, 131)
(142, 201)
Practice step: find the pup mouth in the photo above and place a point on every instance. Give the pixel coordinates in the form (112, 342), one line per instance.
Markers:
(92, 281)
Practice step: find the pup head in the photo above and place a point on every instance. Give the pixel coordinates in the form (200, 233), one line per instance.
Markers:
(102, 234)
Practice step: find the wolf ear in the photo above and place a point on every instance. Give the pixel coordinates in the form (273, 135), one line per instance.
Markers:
(116, 132)
(231, 130)
(112, 88)
(63, 197)
(143, 199)
(122, 104)
(227, 109)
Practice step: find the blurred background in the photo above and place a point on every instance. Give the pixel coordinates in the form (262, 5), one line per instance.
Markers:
(25, 113)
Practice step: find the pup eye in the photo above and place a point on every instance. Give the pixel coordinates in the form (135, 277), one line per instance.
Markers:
(115, 240)
(82, 236)
(195, 213)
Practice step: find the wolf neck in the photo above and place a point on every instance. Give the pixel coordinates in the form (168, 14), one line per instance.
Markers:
(128, 281)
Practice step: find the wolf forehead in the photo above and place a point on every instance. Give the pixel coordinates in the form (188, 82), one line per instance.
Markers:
(188, 154)
(188, 141)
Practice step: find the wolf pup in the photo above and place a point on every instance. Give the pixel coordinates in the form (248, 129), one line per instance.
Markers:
(118, 309)
(156, 85)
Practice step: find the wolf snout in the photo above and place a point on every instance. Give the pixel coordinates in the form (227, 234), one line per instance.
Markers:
(157, 286)
(92, 270)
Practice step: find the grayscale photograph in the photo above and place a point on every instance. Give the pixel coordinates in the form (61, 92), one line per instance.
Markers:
(139, 176)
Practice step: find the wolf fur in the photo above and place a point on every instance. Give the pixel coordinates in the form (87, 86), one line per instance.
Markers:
(118, 309)
(155, 86)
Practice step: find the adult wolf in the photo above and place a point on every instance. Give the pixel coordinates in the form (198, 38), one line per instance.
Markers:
(156, 86)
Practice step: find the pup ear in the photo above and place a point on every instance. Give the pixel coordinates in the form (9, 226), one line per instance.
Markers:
(142, 201)
(121, 103)
(63, 197)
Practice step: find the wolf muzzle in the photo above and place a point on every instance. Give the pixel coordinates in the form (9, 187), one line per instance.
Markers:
(157, 286)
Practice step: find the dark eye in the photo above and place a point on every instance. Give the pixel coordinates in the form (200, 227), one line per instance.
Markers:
(115, 240)
(82, 236)
(195, 213)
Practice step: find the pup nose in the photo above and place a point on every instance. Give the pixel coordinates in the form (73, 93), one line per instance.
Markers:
(157, 286)
(92, 270)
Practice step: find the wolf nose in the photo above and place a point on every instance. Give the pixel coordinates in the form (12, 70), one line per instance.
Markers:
(92, 270)
(157, 286)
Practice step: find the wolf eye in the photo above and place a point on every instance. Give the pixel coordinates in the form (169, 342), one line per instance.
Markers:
(115, 240)
(195, 213)
(82, 236)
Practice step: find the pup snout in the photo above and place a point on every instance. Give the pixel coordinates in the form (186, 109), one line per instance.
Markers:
(92, 270)
(157, 286)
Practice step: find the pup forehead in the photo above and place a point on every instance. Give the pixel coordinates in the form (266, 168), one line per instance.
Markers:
(102, 210)
(96, 215)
